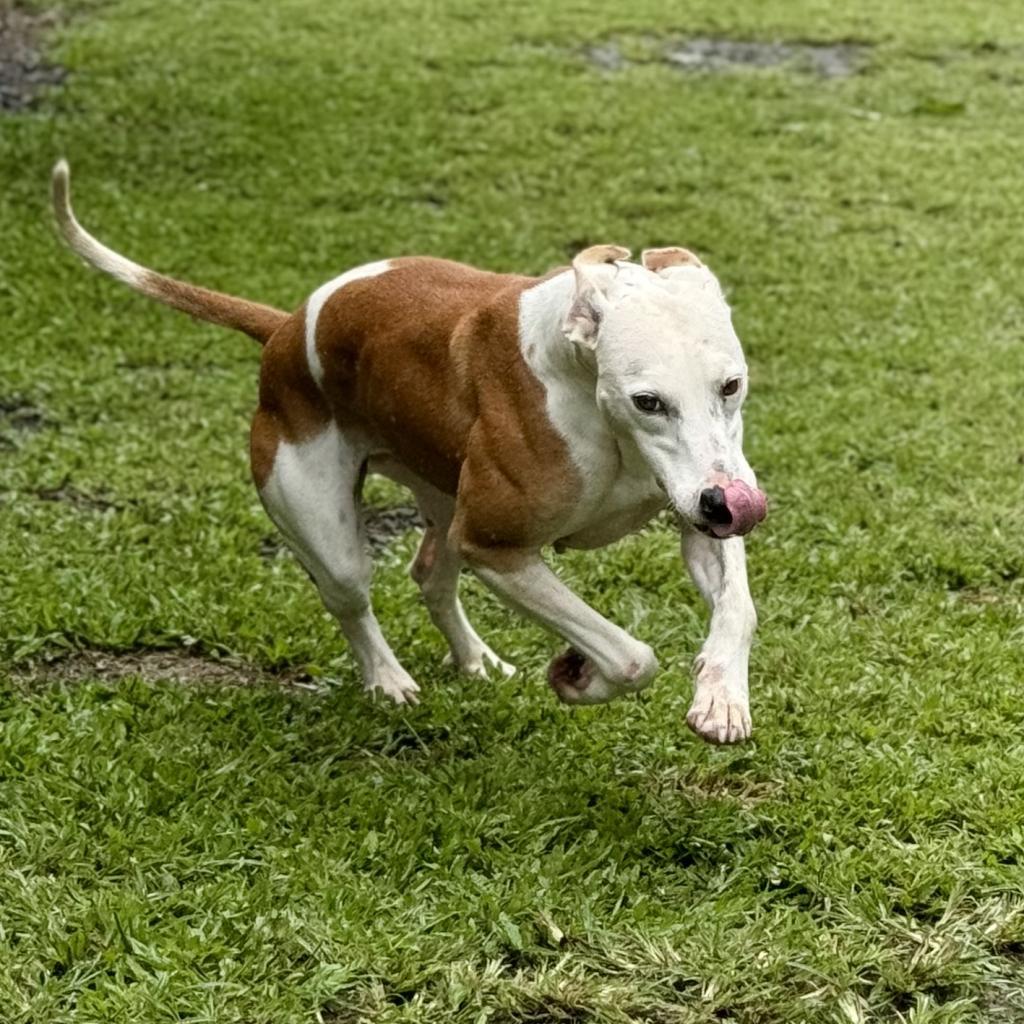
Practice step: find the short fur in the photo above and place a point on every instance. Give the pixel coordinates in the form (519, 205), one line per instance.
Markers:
(519, 411)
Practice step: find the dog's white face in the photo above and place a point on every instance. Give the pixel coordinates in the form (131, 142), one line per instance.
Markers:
(671, 381)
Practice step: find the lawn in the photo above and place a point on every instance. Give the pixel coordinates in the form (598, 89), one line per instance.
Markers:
(260, 843)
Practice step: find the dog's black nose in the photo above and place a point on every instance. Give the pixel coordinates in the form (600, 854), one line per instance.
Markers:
(713, 507)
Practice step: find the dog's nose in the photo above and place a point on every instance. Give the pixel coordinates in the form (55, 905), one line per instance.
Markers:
(713, 506)
(733, 510)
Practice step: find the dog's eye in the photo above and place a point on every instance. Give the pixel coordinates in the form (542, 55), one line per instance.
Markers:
(648, 403)
(730, 387)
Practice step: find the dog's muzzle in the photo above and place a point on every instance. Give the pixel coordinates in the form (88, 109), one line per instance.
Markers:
(733, 510)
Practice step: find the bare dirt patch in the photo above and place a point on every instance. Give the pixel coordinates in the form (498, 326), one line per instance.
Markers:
(66, 493)
(830, 60)
(19, 413)
(170, 665)
(607, 57)
(18, 416)
(383, 525)
(23, 71)
(718, 55)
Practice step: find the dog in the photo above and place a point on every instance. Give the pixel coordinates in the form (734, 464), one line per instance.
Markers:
(522, 412)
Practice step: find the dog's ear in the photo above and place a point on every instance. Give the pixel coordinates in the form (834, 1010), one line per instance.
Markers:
(673, 256)
(584, 316)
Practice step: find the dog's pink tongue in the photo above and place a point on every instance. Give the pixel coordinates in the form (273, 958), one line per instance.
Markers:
(748, 506)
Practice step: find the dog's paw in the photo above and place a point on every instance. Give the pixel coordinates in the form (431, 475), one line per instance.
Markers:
(483, 664)
(576, 680)
(718, 716)
(395, 684)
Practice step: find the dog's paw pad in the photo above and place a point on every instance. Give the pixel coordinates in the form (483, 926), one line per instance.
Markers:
(569, 669)
(576, 680)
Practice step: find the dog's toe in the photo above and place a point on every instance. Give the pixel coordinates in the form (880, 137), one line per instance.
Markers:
(484, 664)
(506, 669)
(720, 718)
(394, 684)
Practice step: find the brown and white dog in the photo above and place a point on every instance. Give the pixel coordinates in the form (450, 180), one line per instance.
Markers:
(565, 410)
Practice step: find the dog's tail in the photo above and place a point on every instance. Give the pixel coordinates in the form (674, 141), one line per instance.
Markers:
(251, 318)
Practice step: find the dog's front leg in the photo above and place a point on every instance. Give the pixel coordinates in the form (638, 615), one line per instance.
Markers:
(720, 712)
(603, 661)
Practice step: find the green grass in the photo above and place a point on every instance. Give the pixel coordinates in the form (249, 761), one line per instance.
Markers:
(267, 855)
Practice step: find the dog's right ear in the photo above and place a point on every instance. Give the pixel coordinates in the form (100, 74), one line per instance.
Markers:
(673, 256)
(584, 317)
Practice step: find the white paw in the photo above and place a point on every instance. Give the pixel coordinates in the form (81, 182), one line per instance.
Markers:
(719, 716)
(395, 684)
(482, 664)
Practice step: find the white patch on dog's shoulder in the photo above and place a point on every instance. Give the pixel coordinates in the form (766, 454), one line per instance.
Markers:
(571, 410)
(316, 304)
(545, 349)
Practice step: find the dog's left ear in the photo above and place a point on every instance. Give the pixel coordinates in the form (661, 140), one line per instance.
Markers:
(673, 256)
(584, 316)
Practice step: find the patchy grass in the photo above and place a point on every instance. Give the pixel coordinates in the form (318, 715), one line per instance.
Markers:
(262, 853)
(178, 665)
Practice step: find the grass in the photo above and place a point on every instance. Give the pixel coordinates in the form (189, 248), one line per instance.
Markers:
(266, 854)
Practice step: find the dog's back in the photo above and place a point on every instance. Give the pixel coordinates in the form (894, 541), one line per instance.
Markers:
(400, 349)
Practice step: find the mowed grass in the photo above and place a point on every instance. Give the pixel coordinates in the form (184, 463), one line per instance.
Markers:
(266, 854)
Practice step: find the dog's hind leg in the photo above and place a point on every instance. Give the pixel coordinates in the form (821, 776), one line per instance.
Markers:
(311, 491)
(436, 569)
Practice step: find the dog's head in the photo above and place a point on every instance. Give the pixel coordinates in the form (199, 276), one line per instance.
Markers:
(671, 378)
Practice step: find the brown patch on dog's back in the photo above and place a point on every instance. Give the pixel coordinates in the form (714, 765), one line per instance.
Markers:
(424, 360)
(391, 347)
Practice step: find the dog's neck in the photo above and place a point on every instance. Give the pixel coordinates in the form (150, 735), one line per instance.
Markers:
(550, 354)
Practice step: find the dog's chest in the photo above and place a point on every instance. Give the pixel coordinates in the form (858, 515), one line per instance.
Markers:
(617, 496)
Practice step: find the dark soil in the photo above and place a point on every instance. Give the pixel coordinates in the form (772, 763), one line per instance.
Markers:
(23, 71)
(178, 666)
(19, 413)
(66, 493)
(383, 525)
(18, 416)
(831, 60)
(702, 53)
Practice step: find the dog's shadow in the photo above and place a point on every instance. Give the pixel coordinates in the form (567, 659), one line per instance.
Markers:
(539, 775)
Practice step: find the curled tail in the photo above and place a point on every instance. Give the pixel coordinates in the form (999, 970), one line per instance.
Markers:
(251, 318)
